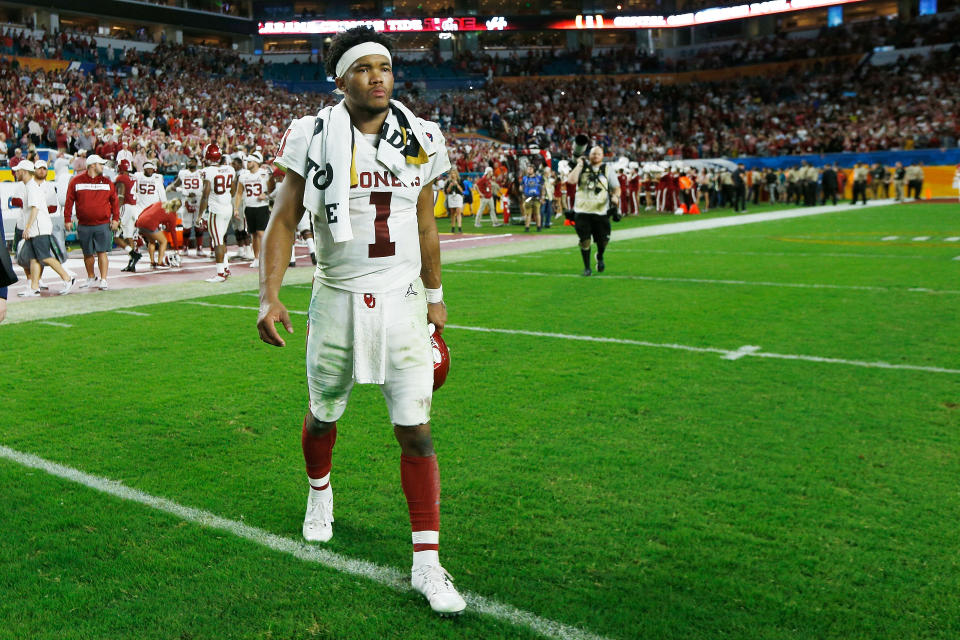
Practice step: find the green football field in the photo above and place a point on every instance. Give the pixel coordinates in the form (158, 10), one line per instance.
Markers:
(748, 432)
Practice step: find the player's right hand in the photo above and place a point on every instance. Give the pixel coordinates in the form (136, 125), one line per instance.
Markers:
(270, 314)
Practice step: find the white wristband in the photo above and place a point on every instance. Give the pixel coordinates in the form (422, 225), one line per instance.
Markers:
(434, 295)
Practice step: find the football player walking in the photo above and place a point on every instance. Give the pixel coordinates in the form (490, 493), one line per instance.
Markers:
(376, 286)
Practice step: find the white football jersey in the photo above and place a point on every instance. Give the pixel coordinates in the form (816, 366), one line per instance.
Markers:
(191, 184)
(384, 253)
(220, 177)
(254, 186)
(149, 190)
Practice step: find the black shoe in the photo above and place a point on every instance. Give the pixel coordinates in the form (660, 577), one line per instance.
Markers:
(134, 258)
(293, 263)
(587, 272)
(600, 266)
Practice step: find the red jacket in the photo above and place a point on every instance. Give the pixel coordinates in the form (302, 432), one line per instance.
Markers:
(95, 200)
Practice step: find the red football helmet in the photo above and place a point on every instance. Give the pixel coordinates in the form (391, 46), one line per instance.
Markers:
(441, 358)
(211, 153)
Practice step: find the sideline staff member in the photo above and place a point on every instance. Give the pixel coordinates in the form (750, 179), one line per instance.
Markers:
(597, 185)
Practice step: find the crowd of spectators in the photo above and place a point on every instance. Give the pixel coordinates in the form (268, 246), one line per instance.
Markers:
(166, 58)
(862, 37)
(151, 109)
(828, 108)
(168, 103)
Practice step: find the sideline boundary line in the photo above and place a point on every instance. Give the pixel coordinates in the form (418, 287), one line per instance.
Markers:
(746, 351)
(749, 283)
(386, 576)
(61, 307)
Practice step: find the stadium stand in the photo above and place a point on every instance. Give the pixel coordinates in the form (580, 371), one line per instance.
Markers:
(167, 100)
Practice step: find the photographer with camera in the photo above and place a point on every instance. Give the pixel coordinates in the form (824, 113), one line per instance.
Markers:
(597, 199)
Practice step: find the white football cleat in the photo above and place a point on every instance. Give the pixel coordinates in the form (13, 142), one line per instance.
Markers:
(436, 585)
(103, 286)
(217, 278)
(255, 264)
(29, 293)
(318, 523)
(89, 283)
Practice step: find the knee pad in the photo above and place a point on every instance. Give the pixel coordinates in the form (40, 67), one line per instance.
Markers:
(585, 244)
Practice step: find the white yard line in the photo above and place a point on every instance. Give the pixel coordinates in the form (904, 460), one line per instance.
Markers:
(748, 351)
(50, 308)
(749, 283)
(386, 576)
(56, 324)
(293, 312)
(743, 352)
(475, 238)
(127, 312)
(778, 254)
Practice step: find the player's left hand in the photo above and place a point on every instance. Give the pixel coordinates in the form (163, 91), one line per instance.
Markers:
(437, 314)
(114, 225)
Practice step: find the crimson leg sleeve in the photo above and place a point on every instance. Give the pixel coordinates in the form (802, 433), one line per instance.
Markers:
(317, 451)
(420, 478)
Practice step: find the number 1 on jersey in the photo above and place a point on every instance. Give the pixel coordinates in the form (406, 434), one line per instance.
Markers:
(381, 247)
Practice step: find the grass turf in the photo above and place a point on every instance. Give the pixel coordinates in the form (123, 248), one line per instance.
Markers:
(635, 492)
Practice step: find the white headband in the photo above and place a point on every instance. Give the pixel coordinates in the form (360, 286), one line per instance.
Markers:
(353, 54)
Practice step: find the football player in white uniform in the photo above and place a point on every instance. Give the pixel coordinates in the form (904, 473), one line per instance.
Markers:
(189, 184)
(255, 183)
(375, 287)
(216, 205)
(150, 189)
(244, 244)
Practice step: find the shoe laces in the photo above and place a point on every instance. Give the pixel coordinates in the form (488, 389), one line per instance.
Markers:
(319, 508)
(437, 578)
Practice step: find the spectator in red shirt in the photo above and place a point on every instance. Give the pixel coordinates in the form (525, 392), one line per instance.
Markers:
(149, 222)
(94, 198)
(486, 186)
